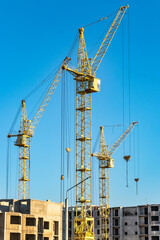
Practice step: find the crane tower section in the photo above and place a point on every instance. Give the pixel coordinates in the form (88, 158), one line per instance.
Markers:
(105, 163)
(86, 84)
(26, 131)
(84, 222)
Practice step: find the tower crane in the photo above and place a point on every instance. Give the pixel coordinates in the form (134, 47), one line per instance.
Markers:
(86, 84)
(105, 162)
(27, 128)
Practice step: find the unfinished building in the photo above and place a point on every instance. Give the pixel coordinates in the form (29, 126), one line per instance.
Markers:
(126, 223)
(30, 220)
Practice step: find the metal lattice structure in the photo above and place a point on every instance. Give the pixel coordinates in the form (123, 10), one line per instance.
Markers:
(86, 84)
(23, 141)
(26, 131)
(84, 222)
(105, 162)
(103, 188)
(108, 38)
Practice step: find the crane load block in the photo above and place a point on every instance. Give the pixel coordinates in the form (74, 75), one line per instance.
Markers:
(127, 158)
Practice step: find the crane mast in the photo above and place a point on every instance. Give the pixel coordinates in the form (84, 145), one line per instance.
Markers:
(84, 222)
(86, 84)
(23, 141)
(103, 189)
(26, 131)
(105, 162)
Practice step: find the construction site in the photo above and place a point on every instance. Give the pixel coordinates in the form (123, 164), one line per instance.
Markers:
(75, 169)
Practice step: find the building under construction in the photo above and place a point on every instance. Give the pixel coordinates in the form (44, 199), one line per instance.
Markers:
(126, 223)
(44, 220)
(28, 219)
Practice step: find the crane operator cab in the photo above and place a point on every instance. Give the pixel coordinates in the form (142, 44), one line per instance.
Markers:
(106, 162)
(22, 140)
(88, 84)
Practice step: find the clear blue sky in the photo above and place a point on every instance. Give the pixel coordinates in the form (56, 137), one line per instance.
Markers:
(35, 38)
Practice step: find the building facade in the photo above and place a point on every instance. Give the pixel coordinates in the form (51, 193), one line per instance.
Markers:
(42, 220)
(126, 223)
(30, 220)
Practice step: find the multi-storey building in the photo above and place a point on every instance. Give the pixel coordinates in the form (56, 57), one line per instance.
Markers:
(42, 220)
(126, 223)
(30, 220)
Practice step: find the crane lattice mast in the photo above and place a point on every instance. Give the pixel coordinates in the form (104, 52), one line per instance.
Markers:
(86, 84)
(26, 131)
(105, 162)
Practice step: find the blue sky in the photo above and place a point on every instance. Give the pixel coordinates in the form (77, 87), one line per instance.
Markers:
(35, 38)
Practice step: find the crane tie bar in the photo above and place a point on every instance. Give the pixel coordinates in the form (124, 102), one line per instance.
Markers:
(100, 19)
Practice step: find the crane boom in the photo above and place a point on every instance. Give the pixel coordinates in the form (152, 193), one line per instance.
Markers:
(121, 139)
(47, 98)
(107, 40)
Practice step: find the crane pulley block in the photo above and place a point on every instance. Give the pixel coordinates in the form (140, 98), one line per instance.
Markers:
(90, 84)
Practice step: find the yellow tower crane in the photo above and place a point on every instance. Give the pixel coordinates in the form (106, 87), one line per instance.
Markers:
(26, 131)
(86, 84)
(105, 162)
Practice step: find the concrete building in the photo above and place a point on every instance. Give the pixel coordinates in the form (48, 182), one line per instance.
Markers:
(30, 220)
(126, 223)
(42, 220)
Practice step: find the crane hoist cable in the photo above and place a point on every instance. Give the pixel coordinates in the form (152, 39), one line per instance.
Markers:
(16, 176)
(62, 134)
(136, 158)
(126, 157)
(138, 148)
(123, 85)
(68, 127)
(65, 134)
(69, 131)
(7, 167)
